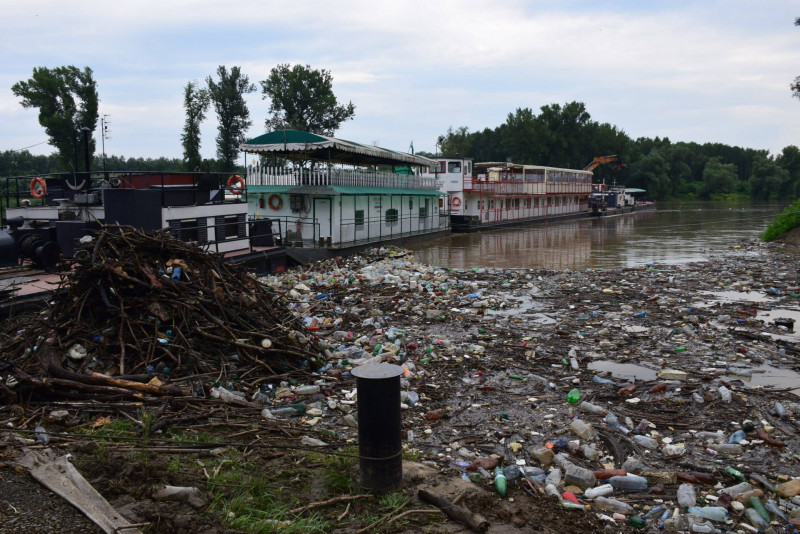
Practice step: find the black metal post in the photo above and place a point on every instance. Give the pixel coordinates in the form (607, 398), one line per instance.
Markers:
(379, 440)
(86, 131)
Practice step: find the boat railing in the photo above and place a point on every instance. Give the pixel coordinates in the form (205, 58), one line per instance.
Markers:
(261, 175)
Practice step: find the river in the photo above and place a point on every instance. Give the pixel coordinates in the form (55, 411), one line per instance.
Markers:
(676, 232)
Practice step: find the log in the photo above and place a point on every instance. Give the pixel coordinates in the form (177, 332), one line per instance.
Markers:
(455, 512)
(114, 382)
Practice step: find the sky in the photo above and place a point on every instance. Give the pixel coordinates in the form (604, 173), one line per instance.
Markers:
(694, 71)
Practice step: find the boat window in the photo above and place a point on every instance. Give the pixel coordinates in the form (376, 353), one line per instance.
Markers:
(468, 167)
(439, 167)
(359, 218)
(454, 166)
(391, 216)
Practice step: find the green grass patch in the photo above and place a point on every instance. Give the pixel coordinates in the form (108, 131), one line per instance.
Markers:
(788, 220)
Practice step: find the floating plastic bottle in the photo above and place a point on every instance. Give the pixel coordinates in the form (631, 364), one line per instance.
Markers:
(735, 473)
(712, 513)
(613, 505)
(586, 406)
(756, 519)
(737, 436)
(599, 491)
(686, 496)
(500, 482)
(582, 429)
(573, 396)
(628, 482)
(756, 504)
(724, 393)
(601, 380)
(645, 441)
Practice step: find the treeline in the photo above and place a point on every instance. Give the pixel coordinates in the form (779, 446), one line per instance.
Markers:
(22, 162)
(566, 136)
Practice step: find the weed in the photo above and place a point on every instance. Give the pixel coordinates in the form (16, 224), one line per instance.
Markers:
(411, 454)
(783, 223)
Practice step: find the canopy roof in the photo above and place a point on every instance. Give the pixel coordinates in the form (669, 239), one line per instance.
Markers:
(294, 144)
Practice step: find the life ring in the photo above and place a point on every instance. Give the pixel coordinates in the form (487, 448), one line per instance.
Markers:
(456, 202)
(38, 187)
(236, 183)
(275, 202)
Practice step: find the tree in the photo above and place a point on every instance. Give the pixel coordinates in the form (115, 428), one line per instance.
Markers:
(767, 178)
(196, 102)
(652, 173)
(796, 85)
(302, 99)
(67, 101)
(719, 178)
(232, 112)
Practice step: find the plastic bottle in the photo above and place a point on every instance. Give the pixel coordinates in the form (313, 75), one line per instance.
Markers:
(756, 504)
(613, 505)
(599, 491)
(500, 482)
(686, 496)
(780, 411)
(582, 429)
(307, 390)
(712, 513)
(724, 393)
(573, 396)
(789, 489)
(601, 380)
(756, 519)
(290, 410)
(554, 477)
(672, 451)
(654, 512)
(738, 489)
(637, 522)
(646, 442)
(511, 472)
(628, 482)
(735, 473)
(737, 436)
(586, 406)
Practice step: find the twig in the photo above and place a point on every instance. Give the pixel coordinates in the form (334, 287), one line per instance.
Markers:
(335, 500)
(347, 509)
(418, 511)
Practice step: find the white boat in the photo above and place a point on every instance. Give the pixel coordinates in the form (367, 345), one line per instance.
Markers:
(327, 196)
(496, 194)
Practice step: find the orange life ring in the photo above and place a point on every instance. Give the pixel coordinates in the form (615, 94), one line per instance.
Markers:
(236, 183)
(38, 187)
(275, 202)
(456, 202)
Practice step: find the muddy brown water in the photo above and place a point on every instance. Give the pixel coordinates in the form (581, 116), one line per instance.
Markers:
(674, 233)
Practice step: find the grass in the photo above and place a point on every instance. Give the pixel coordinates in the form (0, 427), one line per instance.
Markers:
(788, 220)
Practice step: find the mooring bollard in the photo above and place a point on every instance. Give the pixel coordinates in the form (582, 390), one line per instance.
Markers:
(379, 441)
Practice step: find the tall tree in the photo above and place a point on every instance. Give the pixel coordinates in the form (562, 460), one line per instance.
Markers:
(67, 101)
(195, 102)
(796, 85)
(302, 99)
(227, 95)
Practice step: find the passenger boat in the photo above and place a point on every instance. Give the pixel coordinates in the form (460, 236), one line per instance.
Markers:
(497, 194)
(332, 196)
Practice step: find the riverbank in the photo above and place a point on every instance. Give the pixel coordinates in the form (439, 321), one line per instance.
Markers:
(684, 357)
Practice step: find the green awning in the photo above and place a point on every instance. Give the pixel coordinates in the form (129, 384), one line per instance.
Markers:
(294, 144)
(269, 188)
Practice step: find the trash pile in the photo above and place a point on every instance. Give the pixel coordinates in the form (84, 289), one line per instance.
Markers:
(138, 306)
(659, 397)
(625, 393)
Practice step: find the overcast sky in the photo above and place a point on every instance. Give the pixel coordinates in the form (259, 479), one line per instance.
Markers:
(703, 71)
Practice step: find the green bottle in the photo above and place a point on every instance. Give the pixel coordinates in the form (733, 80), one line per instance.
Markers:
(573, 396)
(500, 482)
(758, 506)
(637, 522)
(735, 473)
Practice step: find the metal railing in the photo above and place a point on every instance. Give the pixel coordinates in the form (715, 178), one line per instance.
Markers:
(259, 175)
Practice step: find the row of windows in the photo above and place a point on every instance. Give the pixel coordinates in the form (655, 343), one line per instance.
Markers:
(535, 202)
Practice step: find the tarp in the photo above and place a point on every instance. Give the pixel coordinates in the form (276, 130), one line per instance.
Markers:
(294, 144)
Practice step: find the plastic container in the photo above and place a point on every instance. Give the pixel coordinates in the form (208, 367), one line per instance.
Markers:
(737, 436)
(573, 396)
(586, 406)
(582, 429)
(712, 513)
(613, 505)
(579, 476)
(628, 482)
(756, 504)
(757, 521)
(686, 496)
(724, 394)
(599, 491)
(646, 442)
(500, 482)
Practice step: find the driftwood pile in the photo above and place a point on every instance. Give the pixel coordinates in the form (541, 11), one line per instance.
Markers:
(136, 306)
